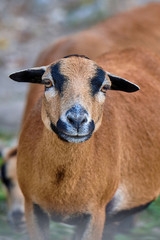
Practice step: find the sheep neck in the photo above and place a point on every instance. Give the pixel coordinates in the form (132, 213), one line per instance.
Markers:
(68, 153)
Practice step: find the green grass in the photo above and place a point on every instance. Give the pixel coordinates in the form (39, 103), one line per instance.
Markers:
(6, 137)
(0, 161)
(61, 231)
(147, 225)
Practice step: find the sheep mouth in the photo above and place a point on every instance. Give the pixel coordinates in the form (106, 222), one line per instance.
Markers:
(71, 138)
(74, 139)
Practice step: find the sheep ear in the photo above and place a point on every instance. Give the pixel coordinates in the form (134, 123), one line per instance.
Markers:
(121, 84)
(31, 75)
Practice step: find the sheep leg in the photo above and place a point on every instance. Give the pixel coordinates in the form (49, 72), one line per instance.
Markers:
(37, 222)
(80, 228)
(94, 227)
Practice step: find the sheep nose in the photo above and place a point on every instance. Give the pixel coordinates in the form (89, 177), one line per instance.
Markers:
(77, 116)
(17, 215)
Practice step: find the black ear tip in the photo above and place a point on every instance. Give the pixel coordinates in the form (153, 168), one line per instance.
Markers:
(138, 88)
(11, 76)
(20, 76)
(32, 75)
(14, 76)
(135, 88)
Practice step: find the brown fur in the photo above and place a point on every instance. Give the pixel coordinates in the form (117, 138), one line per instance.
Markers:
(127, 136)
(113, 157)
(137, 113)
(81, 190)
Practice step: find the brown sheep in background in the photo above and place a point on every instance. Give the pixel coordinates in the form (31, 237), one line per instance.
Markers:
(15, 199)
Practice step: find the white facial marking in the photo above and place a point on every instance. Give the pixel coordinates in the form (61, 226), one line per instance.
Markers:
(50, 93)
(45, 118)
(100, 97)
(97, 125)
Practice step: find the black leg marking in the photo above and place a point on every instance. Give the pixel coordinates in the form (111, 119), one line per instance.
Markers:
(122, 214)
(6, 181)
(81, 227)
(42, 220)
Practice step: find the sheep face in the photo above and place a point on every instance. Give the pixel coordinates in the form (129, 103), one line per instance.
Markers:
(74, 97)
(75, 91)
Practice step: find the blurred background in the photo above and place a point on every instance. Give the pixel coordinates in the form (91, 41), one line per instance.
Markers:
(26, 27)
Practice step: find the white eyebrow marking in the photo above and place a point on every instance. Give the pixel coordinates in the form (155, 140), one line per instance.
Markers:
(50, 93)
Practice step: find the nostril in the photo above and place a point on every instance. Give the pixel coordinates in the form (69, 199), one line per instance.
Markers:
(84, 120)
(70, 119)
(77, 120)
(77, 117)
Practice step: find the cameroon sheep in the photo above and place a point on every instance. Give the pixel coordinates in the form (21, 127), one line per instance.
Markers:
(15, 197)
(128, 29)
(72, 162)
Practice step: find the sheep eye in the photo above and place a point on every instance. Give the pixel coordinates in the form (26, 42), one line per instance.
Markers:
(48, 83)
(104, 88)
